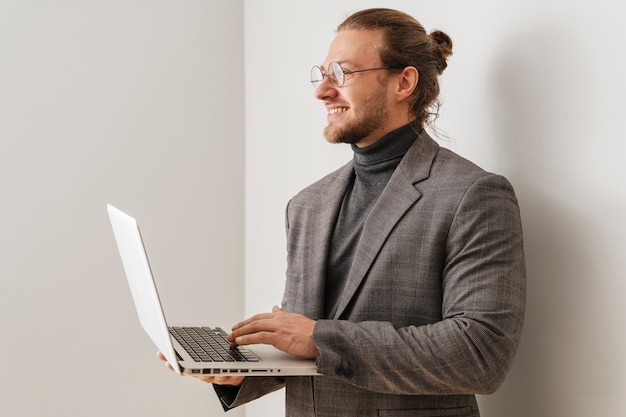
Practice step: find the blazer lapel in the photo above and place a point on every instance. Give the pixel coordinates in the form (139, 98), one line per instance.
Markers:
(320, 228)
(398, 196)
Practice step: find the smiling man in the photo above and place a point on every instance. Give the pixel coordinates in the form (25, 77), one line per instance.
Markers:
(405, 275)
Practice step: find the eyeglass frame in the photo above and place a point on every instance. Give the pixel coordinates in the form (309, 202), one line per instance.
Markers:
(334, 80)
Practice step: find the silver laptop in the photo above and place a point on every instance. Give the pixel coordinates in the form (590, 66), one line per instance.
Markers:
(192, 350)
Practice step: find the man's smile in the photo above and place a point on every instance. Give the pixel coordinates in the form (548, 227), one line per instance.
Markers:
(335, 110)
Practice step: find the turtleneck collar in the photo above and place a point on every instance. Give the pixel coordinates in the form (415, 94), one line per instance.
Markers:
(376, 163)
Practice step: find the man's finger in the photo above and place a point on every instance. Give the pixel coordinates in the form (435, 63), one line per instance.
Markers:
(266, 338)
(255, 318)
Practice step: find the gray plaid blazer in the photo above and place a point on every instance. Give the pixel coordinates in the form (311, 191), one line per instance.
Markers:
(433, 310)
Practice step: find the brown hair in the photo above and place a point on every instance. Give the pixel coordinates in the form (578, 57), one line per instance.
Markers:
(406, 43)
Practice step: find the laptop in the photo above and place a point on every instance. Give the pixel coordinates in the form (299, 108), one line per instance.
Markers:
(192, 350)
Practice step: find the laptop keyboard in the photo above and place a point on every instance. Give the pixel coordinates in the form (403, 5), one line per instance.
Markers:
(206, 344)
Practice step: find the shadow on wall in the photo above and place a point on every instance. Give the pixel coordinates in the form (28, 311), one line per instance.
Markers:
(538, 101)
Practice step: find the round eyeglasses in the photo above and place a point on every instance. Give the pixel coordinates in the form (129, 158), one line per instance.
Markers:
(336, 74)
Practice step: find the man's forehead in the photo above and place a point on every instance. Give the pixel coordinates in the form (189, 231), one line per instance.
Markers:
(354, 47)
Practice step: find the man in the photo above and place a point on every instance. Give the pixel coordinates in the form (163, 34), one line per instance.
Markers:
(405, 274)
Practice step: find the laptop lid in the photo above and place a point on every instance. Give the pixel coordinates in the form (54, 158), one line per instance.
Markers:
(141, 282)
(271, 361)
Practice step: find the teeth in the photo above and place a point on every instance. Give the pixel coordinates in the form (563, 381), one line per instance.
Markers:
(337, 110)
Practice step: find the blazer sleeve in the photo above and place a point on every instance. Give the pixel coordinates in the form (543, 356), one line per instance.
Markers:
(251, 389)
(470, 350)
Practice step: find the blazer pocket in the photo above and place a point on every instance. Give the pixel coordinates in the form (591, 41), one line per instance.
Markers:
(429, 412)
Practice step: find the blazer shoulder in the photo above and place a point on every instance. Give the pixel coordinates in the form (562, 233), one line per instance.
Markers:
(427, 161)
(451, 160)
(449, 166)
(328, 185)
(439, 171)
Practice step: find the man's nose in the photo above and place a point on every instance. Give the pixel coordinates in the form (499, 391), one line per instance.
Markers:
(325, 89)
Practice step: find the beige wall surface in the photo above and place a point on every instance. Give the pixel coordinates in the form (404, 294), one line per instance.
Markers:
(138, 104)
(535, 91)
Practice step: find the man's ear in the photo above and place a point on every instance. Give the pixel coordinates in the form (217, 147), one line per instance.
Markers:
(408, 80)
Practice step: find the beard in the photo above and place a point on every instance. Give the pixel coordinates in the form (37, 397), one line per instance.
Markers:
(364, 121)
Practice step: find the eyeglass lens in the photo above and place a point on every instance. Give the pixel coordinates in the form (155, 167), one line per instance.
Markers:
(335, 72)
(317, 76)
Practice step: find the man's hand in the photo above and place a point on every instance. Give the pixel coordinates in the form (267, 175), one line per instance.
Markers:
(219, 380)
(291, 333)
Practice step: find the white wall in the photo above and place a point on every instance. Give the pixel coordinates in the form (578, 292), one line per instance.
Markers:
(137, 103)
(534, 91)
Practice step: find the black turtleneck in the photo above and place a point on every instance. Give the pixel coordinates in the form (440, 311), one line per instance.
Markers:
(373, 166)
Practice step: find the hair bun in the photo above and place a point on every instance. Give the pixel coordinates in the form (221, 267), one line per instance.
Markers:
(444, 45)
